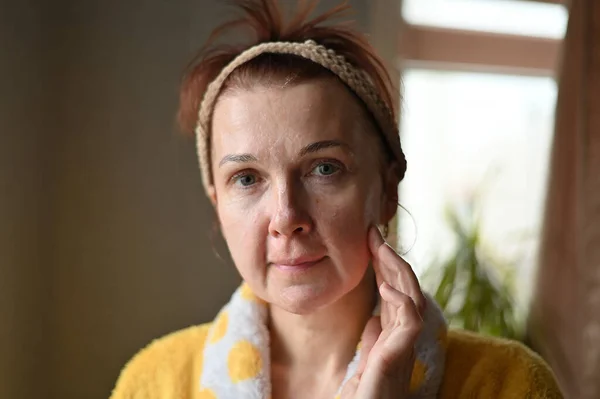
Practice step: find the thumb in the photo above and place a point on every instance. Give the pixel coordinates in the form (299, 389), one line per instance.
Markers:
(370, 335)
(350, 388)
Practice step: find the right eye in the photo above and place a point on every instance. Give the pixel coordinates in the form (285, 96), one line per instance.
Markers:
(245, 179)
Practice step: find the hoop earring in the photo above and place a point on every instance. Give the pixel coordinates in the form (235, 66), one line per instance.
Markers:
(414, 223)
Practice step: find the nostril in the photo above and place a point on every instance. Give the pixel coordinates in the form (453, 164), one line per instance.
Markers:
(299, 230)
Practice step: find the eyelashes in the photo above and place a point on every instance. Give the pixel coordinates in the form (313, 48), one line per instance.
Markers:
(324, 169)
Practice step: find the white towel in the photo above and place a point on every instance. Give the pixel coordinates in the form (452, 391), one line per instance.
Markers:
(236, 361)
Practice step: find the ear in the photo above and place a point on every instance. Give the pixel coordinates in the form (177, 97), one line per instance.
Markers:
(389, 204)
(212, 195)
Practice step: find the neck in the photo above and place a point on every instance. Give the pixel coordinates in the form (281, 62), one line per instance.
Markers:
(325, 339)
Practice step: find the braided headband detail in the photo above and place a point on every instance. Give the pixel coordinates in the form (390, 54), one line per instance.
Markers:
(357, 80)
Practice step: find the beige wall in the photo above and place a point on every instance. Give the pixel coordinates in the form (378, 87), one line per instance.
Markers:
(104, 227)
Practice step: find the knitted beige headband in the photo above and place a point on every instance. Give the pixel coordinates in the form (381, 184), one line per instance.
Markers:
(354, 78)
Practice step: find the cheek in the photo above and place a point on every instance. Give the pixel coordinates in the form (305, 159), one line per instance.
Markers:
(372, 209)
(343, 221)
(241, 227)
(355, 207)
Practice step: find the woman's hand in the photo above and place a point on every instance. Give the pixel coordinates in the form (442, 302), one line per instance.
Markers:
(387, 353)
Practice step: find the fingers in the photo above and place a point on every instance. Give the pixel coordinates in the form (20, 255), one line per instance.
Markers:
(397, 348)
(375, 242)
(382, 274)
(387, 354)
(350, 387)
(369, 337)
(407, 316)
(390, 361)
(394, 270)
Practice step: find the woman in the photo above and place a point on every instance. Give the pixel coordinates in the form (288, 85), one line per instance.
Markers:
(301, 158)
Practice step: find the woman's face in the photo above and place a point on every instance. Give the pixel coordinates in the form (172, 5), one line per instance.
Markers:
(297, 184)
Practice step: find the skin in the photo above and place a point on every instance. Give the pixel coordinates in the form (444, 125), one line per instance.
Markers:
(299, 183)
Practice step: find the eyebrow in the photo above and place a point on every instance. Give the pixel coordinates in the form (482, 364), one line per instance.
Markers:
(309, 149)
(239, 158)
(322, 145)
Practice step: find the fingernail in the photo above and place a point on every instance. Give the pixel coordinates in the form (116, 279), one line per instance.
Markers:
(384, 286)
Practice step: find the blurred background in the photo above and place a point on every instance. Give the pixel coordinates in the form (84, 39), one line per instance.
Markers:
(478, 118)
(105, 231)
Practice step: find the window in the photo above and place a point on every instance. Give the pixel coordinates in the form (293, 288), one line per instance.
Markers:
(518, 17)
(477, 116)
(472, 132)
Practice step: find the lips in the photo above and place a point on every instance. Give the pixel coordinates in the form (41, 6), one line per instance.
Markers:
(303, 262)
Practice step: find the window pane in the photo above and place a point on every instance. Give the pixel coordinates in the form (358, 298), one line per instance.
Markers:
(468, 132)
(517, 17)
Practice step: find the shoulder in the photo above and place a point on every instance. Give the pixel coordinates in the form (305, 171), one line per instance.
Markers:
(485, 367)
(165, 367)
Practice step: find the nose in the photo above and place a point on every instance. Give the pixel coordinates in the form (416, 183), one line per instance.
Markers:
(290, 217)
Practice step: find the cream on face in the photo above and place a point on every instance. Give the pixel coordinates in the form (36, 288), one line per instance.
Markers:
(297, 182)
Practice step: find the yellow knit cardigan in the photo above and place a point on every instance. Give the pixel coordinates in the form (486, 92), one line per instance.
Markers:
(477, 367)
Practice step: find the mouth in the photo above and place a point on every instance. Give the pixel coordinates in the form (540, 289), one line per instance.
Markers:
(297, 264)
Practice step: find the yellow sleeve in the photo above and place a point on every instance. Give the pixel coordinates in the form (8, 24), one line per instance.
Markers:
(479, 367)
(165, 369)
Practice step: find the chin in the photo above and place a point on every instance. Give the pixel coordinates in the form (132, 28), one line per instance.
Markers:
(304, 298)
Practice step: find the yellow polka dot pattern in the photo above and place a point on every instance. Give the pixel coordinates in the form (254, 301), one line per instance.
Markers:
(206, 394)
(418, 375)
(220, 328)
(244, 361)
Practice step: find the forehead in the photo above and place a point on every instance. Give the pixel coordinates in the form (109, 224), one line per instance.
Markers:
(289, 117)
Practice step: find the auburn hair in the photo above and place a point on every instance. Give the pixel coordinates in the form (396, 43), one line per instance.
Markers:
(265, 22)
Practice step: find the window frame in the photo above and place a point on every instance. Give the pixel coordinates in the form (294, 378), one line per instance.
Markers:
(402, 45)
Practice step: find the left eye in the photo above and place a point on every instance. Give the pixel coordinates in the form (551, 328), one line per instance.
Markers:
(326, 169)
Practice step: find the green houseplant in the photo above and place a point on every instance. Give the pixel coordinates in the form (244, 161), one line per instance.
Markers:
(473, 287)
